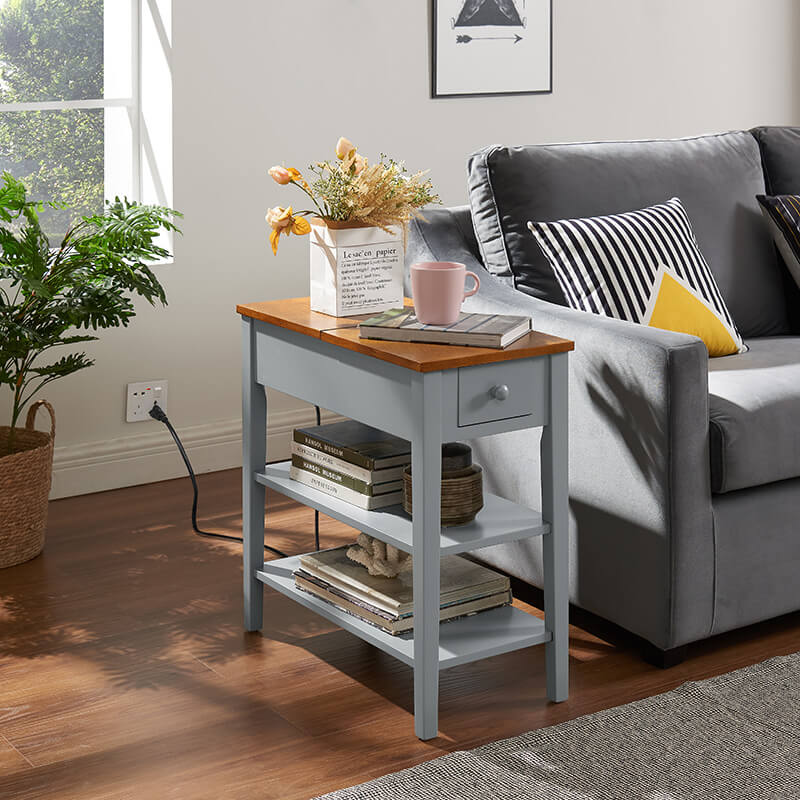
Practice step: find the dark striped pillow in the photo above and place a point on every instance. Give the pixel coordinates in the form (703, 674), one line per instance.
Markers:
(615, 266)
(782, 214)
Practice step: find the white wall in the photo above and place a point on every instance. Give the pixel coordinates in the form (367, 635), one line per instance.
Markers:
(256, 83)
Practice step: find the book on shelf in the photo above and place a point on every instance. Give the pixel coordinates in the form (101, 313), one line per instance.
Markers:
(364, 501)
(460, 580)
(357, 444)
(473, 330)
(343, 467)
(362, 487)
(385, 620)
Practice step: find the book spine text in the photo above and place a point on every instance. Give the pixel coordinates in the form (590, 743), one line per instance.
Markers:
(342, 492)
(331, 475)
(344, 453)
(336, 464)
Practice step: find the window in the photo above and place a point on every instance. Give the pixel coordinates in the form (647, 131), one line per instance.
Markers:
(85, 102)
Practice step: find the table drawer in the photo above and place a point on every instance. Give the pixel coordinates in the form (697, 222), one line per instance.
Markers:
(490, 392)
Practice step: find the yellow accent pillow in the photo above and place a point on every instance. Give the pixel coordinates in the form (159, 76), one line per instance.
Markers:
(674, 306)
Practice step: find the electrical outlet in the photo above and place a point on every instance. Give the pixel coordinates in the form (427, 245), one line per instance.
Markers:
(142, 397)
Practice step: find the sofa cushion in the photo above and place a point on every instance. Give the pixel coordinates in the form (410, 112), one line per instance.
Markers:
(754, 411)
(780, 153)
(716, 177)
(782, 215)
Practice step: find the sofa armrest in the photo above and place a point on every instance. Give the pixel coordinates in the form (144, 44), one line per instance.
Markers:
(640, 491)
(640, 499)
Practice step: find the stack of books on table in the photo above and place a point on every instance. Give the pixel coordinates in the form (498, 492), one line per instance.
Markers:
(352, 461)
(387, 603)
(472, 330)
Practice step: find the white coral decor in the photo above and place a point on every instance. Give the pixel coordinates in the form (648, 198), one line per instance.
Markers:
(378, 557)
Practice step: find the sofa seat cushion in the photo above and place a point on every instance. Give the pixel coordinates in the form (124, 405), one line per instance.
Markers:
(754, 413)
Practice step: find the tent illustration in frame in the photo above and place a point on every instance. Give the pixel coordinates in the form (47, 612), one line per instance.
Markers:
(488, 12)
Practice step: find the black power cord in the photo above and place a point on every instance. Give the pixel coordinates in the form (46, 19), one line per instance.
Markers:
(157, 413)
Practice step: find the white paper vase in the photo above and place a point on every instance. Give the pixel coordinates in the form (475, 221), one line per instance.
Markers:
(355, 270)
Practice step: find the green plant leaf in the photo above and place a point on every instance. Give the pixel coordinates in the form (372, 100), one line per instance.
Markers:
(87, 281)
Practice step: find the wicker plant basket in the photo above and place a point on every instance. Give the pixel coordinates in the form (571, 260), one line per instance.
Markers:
(462, 495)
(25, 477)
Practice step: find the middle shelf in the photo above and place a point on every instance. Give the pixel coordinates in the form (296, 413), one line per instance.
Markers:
(498, 521)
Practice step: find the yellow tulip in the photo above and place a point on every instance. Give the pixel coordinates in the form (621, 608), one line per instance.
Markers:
(301, 226)
(282, 221)
(278, 217)
(273, 240)
(297, 177)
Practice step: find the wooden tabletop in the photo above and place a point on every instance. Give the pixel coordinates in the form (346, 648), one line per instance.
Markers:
(296, 315)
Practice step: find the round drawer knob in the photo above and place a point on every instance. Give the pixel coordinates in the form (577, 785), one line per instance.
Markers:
(499, 392)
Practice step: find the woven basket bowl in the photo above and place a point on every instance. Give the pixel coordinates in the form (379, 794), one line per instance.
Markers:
(25, 477)
(462, 495)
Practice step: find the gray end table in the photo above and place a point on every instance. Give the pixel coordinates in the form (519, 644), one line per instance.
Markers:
(428, 394)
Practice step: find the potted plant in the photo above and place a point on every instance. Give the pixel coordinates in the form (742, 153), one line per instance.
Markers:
(357, 228)
(47, 294)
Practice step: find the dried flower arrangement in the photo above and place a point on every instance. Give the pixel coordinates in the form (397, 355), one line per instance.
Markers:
(351, 190)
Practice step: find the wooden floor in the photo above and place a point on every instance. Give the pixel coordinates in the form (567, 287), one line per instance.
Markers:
(125, 673)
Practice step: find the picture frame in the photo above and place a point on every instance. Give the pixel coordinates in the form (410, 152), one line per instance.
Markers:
(486, 48)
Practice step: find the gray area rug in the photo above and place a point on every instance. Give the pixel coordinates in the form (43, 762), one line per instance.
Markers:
(734, 736)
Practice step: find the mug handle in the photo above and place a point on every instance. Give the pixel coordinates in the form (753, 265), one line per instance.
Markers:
(475, 288)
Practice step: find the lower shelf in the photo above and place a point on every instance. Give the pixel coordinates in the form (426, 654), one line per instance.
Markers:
(485, 634)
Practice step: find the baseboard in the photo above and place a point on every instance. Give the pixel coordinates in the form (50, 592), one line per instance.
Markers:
(152, 456)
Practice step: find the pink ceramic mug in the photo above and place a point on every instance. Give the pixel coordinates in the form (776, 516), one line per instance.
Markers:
(438, 289)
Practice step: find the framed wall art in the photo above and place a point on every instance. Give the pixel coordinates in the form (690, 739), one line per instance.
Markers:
(491, 47)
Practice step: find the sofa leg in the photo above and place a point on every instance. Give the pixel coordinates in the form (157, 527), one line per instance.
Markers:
(664, 659)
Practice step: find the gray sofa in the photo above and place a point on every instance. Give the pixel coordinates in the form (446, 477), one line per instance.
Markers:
(684, 471)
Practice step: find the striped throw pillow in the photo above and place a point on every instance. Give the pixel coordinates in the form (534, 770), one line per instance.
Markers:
(642, 266)
(782, 214)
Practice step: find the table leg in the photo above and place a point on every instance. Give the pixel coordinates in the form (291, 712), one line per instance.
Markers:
(555, 509)
(254, 456)
(426, 465)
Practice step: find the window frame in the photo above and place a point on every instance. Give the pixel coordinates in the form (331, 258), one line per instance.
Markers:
(142, 150)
